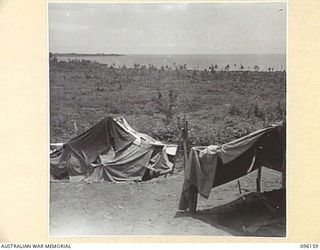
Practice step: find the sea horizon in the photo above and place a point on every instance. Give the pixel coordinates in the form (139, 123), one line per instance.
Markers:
(114, 53)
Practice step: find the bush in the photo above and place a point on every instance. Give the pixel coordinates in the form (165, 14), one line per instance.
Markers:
(235, 110)
(220, 107)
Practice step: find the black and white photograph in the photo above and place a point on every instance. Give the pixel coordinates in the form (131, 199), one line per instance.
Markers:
(167, 119)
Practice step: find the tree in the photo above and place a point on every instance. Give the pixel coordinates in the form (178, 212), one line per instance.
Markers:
(256, 68)
(136, 65)
(52, 58)
(211, 68)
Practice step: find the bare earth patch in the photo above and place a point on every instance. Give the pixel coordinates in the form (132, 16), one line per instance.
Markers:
(151, 208)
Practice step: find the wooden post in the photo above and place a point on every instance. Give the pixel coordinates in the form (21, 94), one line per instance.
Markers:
(284, 176)
(258, 180)
(284, 170)
(185, 143)
(178, 147)
(187, 138)
(175, 156)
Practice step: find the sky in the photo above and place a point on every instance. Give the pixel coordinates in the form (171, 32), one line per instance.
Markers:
(168, 28)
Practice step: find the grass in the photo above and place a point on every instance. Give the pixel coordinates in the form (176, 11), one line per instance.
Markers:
(219, 106)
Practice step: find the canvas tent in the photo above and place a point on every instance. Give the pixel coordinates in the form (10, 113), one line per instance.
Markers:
(212, 166)
(111, 151)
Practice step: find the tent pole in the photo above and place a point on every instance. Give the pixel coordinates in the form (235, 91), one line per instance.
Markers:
(284, 176)
(178, 148)
(187, 138)
(258, 180)
(239, 187)
(185, 143)
(284, 170)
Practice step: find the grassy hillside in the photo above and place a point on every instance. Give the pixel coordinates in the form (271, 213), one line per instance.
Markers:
(220, 106)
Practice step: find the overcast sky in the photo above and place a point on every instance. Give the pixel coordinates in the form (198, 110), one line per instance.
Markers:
(162, 28)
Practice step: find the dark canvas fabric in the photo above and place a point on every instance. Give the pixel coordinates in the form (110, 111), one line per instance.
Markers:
(110, 151)
(213, 166)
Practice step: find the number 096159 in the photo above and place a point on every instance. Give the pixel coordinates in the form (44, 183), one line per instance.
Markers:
(309, 246)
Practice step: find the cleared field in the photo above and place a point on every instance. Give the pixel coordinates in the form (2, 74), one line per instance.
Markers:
(150, 208)
(220, 106)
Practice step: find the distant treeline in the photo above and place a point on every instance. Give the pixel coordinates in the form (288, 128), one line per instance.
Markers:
(85, 54)
(212, 68)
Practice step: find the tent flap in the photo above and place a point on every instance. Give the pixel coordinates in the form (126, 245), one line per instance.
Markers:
(110, 151)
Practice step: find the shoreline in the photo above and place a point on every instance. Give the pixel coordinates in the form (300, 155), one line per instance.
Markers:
(79, 55)
(168, 66)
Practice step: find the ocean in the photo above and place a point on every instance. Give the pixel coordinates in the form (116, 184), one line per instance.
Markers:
(200, 62)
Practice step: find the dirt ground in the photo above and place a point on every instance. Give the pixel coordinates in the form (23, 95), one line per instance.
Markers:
(151, 208)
